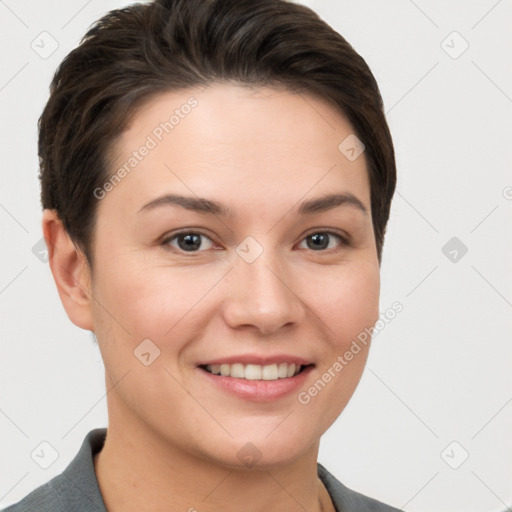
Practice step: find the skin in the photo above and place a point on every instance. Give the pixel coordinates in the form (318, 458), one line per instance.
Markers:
(173, 437)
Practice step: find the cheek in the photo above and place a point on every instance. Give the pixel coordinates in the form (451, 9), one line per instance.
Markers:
(347, 301)
(348, 304)
(151, 301)
(148, 300)
(136, 301)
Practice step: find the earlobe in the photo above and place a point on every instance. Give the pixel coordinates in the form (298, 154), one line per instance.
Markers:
(70, 271)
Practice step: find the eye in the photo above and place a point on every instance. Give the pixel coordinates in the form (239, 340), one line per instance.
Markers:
(321, 240)
(193, 241)
(189, 241)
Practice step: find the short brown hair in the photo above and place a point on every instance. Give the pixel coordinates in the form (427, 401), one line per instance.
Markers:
(131, 54)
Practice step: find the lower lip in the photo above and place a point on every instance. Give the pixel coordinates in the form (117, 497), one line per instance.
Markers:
(258, 390)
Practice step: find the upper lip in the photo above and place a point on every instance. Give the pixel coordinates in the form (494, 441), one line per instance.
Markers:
(258, 359)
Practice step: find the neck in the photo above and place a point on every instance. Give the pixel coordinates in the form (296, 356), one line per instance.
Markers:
(137, 471)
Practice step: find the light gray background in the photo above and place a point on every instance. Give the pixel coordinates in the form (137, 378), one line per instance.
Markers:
(439, 372)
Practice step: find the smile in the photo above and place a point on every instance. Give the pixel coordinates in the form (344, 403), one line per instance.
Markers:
(255, 371)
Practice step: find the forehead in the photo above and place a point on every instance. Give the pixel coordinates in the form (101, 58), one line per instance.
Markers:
(255, 145)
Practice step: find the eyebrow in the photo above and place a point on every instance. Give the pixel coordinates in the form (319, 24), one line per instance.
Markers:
(207, 206)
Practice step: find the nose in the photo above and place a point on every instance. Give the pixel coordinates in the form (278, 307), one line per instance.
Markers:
(261, 296)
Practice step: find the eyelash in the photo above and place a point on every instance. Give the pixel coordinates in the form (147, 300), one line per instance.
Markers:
(344, 240)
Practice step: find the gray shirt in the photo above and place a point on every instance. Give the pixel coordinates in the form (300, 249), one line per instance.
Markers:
(76, 489)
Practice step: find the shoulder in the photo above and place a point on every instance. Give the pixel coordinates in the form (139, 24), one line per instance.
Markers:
(346, 499)
(43, 499)
(74, 490)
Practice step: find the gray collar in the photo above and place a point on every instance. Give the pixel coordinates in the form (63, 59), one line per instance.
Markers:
(76, 489)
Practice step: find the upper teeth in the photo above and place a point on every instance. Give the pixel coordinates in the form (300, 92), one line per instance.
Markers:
(255, 371)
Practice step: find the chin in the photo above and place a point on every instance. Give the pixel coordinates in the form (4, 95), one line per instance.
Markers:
(259, 449)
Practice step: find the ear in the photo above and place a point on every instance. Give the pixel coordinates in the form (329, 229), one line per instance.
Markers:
(70, 271)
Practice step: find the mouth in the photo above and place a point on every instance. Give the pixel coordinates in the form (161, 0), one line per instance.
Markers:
(255, 377)
(268, 372)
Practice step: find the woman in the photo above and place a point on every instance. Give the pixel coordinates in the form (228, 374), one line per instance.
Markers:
(216, 182)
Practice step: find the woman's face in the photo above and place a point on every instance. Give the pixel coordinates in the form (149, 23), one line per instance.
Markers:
(251, 275)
